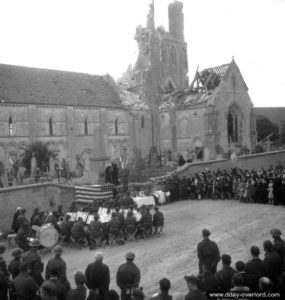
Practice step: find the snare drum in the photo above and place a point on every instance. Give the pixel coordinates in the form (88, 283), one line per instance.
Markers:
(47, 235)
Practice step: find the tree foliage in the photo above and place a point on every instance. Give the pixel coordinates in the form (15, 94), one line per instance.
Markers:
(42, 154)
(264, 127)
(282, 134)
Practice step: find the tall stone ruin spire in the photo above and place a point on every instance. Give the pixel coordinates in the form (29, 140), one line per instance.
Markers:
(150, 17)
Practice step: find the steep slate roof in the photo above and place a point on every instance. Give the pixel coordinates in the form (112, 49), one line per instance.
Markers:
(41, 86)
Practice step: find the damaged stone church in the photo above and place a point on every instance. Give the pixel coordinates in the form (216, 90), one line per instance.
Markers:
(208, 117)
(153, 106)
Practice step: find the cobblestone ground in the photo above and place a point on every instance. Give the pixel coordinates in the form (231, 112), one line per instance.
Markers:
(234, 226)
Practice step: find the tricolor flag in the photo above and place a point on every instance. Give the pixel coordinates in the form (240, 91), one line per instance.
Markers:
(88, 193)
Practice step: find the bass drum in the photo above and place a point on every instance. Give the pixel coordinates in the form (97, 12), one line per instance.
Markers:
(47, 235)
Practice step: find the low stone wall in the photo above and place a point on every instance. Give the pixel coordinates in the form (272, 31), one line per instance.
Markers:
(254, 161)
(31, 196)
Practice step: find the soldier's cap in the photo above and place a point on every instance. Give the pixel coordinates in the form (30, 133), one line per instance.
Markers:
(57, 250)
(34, 243)
(79, 277)
(138, 293)
(226, 259)
(130, 255)
(2, 248)
(192, 279)
(206, 232)
(276, 231)
(17, 252)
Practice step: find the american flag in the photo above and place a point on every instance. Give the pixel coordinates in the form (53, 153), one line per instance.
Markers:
(88, 193)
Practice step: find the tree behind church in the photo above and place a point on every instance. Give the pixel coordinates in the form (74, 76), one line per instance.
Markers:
(42, 154)
(265, 127)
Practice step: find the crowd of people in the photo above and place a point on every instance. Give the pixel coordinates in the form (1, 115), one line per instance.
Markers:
(120, 228)
(262, 186)
(25, 277)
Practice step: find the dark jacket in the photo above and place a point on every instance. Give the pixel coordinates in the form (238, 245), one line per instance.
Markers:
(279, 247)
(273, 262)
(209, 282)
(3, 266)
(4, 285)
(79, 293)
(56, 263)
(224, 278)
(35, 265)
(158, 219)
(195, 295)
(257, 268)
(25, 287)
(14, 267)
(61, 291)
(115, 224)
(22, 239)
(208, 252)
(128, 276)
(248, 280)
(146, 219)
(97, 276)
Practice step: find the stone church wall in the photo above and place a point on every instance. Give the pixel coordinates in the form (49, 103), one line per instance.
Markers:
(69, 133)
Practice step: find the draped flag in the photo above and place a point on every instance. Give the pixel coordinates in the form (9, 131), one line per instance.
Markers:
(88, 193)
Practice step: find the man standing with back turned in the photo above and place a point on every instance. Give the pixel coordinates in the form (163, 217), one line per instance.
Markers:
(208, 252)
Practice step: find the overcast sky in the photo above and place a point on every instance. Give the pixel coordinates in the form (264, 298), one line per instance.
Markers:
(96, 37)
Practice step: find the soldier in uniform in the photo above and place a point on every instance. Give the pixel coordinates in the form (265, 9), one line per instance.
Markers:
(58, 263)
(273, 261)
(146, 220)
(256, 266)
(278, 244)
(15, 216)
(3, 265)
(209, 282)
(225, 275)
(22, 237)
(78, 230)
(208, 252)
(96, 232)
(128, 276)
(21, 219)
(34, 262)
(60, 289)
(4, 285)
(79, 293)
(114, 225)
(15, 263)
(25, 287)
(97, 277)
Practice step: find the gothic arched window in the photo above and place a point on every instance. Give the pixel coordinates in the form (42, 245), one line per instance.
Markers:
(85, 127)
(116, 127)
(142, 122)
(173, 55)
(163, 53)
(50, 125)
(233, 125)
(11, 127)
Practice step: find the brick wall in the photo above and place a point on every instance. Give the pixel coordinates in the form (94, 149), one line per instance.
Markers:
(31, 196)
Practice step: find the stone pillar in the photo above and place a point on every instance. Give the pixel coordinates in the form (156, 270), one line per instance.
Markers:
(99, 156)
